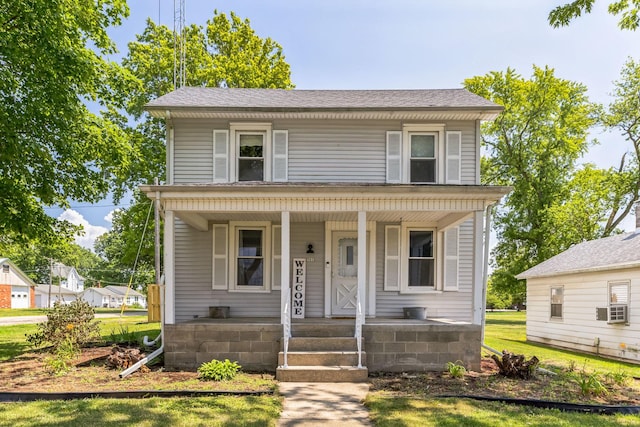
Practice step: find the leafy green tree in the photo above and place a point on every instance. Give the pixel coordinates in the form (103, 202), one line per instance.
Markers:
(52, 148)
(628, 9)
(532, 146)
(129, 243)
(225, 53)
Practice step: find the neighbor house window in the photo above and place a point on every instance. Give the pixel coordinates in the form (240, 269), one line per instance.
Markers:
(421, 259)
(422, 164)
(618, 301)
(251, 155)
(557, 301)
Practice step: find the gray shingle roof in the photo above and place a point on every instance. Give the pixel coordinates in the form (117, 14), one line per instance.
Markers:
(622, 250)
(282, 99)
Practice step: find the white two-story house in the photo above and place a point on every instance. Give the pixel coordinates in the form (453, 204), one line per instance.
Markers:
(314, 221)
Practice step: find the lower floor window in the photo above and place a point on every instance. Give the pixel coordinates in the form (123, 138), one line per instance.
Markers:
(421, 259)
(250, 261)
(557, 299)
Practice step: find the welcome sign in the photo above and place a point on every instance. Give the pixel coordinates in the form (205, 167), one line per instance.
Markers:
(299, 284)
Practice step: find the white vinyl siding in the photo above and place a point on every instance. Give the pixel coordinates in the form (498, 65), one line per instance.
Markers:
(337, 151)
(394, 157)
(450, 305)
(318, 150)
(582, 293)
(220, 156)
(453, 157)
(280, 155)
(392, 258)
(451, 255)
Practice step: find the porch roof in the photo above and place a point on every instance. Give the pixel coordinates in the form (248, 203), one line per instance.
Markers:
(443, 205)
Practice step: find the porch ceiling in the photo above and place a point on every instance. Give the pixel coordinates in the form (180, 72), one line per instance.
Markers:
(441, 205)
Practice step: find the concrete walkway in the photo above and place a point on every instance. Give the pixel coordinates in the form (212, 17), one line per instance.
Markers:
(324, 404)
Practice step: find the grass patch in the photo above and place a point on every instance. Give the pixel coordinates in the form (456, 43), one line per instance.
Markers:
(209, 411)
(13, 341)
(19, 312)
(507, 331)
(386, 410)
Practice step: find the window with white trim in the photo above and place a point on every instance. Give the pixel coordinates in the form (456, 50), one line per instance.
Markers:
(422, 158)
(618, 301)
(556, 302)
(250, 152)
(250, 256)
(418, 259)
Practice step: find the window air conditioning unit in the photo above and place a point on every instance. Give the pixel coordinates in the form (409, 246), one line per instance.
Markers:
(613, 313)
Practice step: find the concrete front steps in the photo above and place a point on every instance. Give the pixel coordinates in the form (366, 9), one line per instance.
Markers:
(316, 354)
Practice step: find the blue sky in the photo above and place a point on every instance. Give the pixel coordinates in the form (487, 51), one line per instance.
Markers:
(410, 44)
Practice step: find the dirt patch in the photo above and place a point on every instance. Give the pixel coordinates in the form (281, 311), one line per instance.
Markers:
(90, 373)
(562, 387)
(27, 373)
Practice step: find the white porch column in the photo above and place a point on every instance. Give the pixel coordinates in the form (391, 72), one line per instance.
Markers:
(285, 287)
(478, 267)
(362, 258)
(169, 269)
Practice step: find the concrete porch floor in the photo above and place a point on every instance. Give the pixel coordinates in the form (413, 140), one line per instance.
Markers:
(327, 321)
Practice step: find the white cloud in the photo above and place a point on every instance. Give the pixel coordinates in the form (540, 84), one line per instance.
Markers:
(91, 232)
(109, 217)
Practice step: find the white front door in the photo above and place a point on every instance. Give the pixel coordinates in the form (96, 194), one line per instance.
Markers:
(344, 273)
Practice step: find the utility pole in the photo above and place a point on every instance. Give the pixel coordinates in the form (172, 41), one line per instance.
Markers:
(50, 280)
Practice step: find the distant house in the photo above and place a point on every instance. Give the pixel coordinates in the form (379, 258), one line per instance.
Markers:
(113, 297)
(46, 296)
(588, 297)
(17, 290)
(69, 277)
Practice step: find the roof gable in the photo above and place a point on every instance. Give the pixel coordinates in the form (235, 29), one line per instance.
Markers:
(619, 251)
(18, 272)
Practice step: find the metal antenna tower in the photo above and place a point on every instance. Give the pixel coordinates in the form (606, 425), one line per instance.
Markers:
(179, 44)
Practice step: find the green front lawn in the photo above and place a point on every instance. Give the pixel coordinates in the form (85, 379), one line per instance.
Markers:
(507, 331)
(13, 341)
(187, 412)
(504, 331)
(15, 312)
(388, 411)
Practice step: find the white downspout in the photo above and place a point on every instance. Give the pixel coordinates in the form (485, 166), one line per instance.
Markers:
(146, 341)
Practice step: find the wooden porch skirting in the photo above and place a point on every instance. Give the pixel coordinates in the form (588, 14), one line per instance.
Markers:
(391, 345)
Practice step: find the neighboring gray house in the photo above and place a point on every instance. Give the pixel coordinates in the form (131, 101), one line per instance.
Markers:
(113, 297)
(323, 213)
(46, 295)
(588, 297)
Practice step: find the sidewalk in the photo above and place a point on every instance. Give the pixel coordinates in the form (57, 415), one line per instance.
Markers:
(324, 404)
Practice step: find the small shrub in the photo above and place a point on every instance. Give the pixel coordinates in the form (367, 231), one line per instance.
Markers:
(218, 371)
(619, 377)
(456, 370)
(67, 329)
(70, 324)
(590, 384)
(61, 360)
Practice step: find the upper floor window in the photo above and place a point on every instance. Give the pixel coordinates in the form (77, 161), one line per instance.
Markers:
(424, 154)
(422, 164)
(251, 156)
(250, 152)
